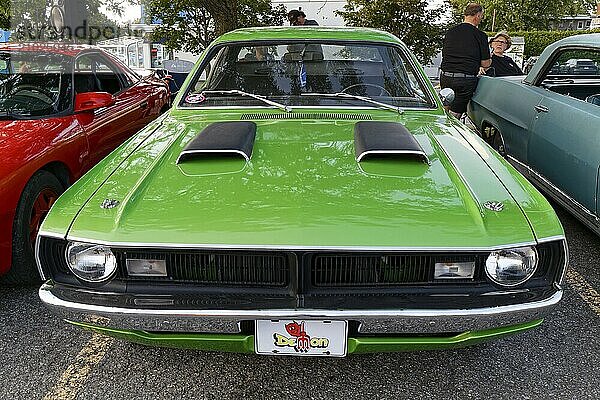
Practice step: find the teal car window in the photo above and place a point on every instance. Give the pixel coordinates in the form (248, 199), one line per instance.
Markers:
(285, 72)
(575, 73)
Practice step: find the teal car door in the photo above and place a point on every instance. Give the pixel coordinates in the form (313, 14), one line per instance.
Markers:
(507, 104)
(564, 143)
(564, 146)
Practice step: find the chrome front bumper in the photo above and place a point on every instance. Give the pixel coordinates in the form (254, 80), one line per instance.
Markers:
(391, 321)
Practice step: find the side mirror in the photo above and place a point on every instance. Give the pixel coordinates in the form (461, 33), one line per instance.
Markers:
(93, 100)
(447, 96)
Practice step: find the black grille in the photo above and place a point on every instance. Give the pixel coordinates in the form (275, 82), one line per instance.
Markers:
(312, 116)
(220, 268)
(348, 270)
(52, 256)
(551, 259)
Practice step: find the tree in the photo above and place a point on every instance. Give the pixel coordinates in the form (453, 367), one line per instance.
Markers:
(4, 14)
(184, 24)
(410, 20)
(191, 25)
(522, 15)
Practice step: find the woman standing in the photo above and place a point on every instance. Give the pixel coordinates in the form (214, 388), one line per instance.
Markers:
(502, 65)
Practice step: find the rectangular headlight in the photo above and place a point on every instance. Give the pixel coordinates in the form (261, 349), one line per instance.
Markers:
(146, 267)
(454, 270)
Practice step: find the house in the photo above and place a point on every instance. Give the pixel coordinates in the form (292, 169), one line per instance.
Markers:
(578, 22)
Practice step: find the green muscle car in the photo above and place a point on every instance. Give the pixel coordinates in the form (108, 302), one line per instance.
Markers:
(307, 195)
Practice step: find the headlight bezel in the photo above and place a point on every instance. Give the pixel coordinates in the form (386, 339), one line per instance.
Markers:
(529, 252)
(111, 260)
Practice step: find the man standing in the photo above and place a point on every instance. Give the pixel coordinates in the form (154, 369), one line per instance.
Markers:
(464, 52)
(298, 18)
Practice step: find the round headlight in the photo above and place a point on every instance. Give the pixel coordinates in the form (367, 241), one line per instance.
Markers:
(91, 262)
(511, 267)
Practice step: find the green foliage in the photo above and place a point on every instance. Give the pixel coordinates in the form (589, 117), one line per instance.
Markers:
(185, 24)
(536, 41)
(260, 13)
(522, 15)
(4, 14)
(189, 25)
(410, 20)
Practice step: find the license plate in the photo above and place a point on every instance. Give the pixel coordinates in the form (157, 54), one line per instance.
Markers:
(301, 337)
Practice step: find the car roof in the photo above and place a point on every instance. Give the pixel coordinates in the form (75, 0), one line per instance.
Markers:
(308, 32)
(71, 50)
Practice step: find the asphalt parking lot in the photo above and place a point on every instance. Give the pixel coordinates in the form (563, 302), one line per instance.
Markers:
(44, 358)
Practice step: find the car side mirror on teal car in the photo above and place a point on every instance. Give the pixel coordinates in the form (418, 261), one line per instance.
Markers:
(447, 96)
(93, 100)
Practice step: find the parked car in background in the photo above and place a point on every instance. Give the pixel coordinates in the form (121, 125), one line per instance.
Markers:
(62, 109)
(581, 67)
(549, 129)
(306, 195)
(179, 70)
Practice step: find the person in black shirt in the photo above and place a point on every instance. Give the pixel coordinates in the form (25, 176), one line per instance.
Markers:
(298, 18)
(502, 65)
(464, 52)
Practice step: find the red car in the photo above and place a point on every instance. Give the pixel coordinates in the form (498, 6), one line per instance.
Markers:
(62, 109)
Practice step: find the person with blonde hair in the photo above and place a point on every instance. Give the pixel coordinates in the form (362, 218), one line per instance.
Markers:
(502, 65)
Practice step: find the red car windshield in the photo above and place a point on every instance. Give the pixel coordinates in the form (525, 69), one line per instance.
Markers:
(34, 84)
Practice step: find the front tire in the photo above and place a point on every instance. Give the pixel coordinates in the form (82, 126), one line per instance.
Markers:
(37, 197)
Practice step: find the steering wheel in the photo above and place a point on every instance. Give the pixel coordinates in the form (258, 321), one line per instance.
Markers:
(33, 88)
(382, 91)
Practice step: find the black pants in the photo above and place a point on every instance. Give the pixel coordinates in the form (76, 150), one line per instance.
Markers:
(463, 91)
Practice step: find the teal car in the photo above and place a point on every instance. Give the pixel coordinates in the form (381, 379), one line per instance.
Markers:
(307, 194)
(547, 123)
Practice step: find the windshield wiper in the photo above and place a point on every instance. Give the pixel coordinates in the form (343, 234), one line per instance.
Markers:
(355, 97)
(254, 96)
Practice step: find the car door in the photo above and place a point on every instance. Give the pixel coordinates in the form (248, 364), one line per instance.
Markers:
(516, 115)
(564, 145)
(508, 105)
(108, 127)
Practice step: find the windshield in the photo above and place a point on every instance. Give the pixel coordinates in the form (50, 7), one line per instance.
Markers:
(307, 74)
(34, 84)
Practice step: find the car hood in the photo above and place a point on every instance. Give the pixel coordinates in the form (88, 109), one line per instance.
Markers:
(303, 187)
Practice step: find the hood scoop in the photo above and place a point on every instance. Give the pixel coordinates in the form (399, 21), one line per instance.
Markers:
(221, 138)
(384, 139)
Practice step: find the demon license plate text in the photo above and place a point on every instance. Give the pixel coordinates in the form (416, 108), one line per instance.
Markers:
(301, 337)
